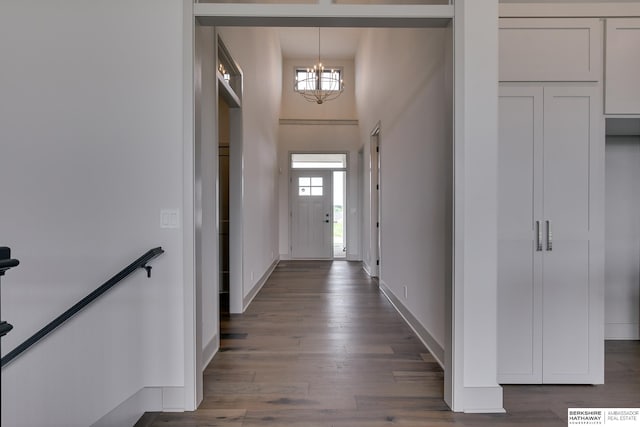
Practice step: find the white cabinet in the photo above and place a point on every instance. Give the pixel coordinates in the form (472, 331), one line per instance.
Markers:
(622, 66)
(550, 257)
(550, 49)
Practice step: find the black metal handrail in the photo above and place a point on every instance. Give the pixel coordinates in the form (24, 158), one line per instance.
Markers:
(139, 263)
(6, 262)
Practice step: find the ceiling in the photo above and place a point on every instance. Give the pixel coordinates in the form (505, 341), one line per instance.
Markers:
(336, 43)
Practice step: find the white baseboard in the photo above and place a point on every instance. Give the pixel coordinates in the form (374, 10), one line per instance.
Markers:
(366, 268)
(209, 351)
(173, 399)
(436, 350)
(146, 399)
(252, 294)
(622, 331)
(285, 257)
(483, 400)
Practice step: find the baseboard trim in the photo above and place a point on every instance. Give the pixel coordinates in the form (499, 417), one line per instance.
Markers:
(285, 257)
(483, 400)
(436, 350)
(252, 294)
(127, 413)
(367, 269)
(173, 399)
(622, 331)
(209, 351)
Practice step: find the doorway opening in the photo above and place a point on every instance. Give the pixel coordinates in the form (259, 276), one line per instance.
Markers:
(223, 202)
(318, 205)
(336, 240)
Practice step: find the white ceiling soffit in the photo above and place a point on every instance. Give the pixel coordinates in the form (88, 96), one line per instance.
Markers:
(428, 2)
(337, 43)
(326, 14)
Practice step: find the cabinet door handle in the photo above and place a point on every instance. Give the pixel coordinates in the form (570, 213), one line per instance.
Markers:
(549, 237)
(538, 237)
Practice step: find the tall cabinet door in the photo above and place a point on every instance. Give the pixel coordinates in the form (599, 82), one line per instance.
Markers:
(519, 251)
(572, 340)
(550, 241)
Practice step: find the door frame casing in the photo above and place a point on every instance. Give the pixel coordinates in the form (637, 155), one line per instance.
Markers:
(375, 204)
(470, 339)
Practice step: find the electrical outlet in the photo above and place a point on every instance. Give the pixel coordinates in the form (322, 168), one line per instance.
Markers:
(252, 274)
(405, 292)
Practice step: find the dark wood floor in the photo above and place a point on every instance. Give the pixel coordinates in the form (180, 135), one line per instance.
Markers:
(320, 346)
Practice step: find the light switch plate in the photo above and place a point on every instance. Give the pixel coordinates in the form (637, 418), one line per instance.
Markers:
(169, 218)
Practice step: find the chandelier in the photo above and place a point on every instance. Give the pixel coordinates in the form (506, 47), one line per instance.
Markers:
(318, 84)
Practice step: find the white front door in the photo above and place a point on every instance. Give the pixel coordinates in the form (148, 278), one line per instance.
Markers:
(311, 214)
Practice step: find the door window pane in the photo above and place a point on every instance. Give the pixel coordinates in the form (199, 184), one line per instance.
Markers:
(304, 181)
(310, 186)
(304, 191)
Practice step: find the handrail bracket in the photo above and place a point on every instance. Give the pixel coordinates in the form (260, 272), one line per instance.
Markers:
(147, 268)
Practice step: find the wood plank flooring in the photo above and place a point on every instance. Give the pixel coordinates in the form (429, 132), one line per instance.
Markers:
(320, 346)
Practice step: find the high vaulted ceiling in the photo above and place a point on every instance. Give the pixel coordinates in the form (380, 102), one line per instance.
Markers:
(337, 43)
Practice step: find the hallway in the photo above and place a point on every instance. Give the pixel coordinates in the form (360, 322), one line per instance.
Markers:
(320, 346)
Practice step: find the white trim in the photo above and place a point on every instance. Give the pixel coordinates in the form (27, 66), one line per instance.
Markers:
(484, 399)
(622, 331)
(436, 350)
(346, 15)
(209, 351)
(602, 9)
(330, 122)
(147, 399)
(192, 378)
(367, 268)
(622, 116)
(252, 294)
(467, 44)
(472, 359)
(173, 399)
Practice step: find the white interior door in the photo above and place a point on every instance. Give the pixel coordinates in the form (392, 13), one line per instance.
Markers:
(571, 346)
(519, 247)
(311, 214)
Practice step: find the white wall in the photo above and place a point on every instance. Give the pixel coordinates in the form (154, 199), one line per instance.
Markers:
(405, 90)
(622, 243)
(91, 131)
(257, 51)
